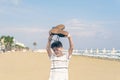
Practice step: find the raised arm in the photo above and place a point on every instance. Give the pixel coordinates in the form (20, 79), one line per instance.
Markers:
(48, 47)
(71, 46)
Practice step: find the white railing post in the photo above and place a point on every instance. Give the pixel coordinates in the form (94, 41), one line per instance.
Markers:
(97, 50)
(91, 50)
(86, 51)
(113, 50)
(104, 50)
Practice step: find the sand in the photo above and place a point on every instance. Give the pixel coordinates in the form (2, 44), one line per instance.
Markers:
(36, 66)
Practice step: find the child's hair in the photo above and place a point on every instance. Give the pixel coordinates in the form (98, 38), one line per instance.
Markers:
(56, 44)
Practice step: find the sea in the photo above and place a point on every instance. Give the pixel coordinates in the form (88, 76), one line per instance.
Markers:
(99, 53)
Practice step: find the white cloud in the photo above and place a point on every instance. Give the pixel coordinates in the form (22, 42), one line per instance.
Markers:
(16, 11)
(12, 2)
(28, 30)
(13, 8)
(9, 6)
(15, 2)
(86, 29)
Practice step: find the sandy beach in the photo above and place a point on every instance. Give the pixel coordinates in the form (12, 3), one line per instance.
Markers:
(36, 66)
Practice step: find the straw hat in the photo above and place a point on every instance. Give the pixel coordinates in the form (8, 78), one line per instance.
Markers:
(58, 30)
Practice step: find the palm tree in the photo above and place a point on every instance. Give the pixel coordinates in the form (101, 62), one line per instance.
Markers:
(7, 41)
(34, 44)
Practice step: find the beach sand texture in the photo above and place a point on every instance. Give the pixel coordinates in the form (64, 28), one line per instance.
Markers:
(36, 66)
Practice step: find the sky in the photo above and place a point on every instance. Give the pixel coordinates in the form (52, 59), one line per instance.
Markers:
(91, 23)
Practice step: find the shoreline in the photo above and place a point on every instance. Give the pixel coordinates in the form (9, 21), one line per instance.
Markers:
(103, 58)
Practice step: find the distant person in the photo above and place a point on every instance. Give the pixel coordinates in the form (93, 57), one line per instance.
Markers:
(3, 48)
(59, 59)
